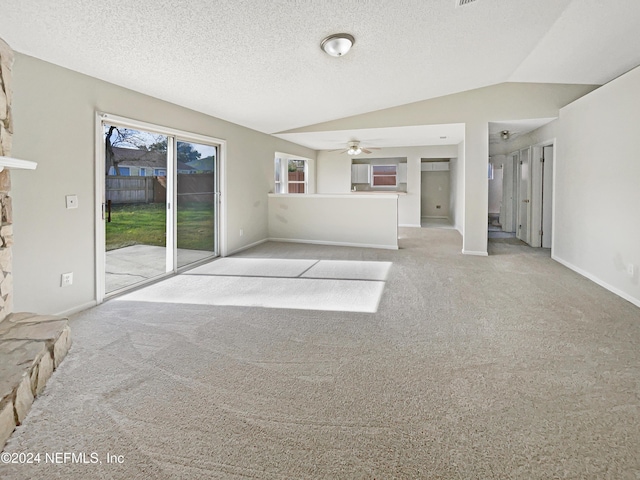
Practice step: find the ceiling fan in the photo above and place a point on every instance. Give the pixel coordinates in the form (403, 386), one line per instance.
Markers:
(354, 148)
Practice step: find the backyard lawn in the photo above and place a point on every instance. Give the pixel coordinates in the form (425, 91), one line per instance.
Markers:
(145, 224)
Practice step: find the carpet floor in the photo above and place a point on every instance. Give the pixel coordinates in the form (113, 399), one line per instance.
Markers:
(506, 367)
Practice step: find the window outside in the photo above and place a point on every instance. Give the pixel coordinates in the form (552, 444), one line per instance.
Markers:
(384, 175)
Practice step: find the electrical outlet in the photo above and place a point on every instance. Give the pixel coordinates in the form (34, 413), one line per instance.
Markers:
(630, 269)
(66, 279)
(241, 232)
(72, 201)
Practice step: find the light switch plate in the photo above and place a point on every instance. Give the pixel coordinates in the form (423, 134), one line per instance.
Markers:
(72, 201)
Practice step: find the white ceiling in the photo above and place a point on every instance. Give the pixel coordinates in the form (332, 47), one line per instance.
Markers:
(515, 128)
(259, 64)
(413, 136)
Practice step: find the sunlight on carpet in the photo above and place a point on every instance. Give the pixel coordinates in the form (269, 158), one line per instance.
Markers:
(266, 292)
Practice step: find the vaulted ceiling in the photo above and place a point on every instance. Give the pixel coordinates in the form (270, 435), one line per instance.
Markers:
(259, 64)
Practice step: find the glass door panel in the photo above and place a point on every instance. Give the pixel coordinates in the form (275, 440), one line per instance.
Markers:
(196, 228)
(135, 209)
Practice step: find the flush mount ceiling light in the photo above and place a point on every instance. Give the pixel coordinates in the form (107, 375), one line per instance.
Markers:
(337, 44)
(505, 134)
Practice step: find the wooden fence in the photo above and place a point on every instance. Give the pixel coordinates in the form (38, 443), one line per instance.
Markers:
(191, 188)
(121, 189)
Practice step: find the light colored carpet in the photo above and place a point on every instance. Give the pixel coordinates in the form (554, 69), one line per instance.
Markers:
(255, 267)
(349, 270)
(506, 367)
(290, 293)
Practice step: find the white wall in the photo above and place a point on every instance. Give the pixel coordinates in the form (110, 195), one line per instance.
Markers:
(456, 178)
(352, 219)
(333, 172)
(54, 113)
(435, 192)
(475, 108)
(597, 186)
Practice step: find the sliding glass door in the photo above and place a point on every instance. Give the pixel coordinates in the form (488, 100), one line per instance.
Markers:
(160, 205)
(196, 231)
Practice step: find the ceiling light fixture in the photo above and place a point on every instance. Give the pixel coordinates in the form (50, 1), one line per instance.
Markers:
(354, 150)
(337, 44)
(505, 134)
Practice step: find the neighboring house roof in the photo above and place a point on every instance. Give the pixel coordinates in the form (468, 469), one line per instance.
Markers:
(203, 164)
(132, 157)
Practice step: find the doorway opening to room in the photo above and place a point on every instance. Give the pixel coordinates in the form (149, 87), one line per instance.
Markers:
(435, 191)
(159, 202)
(521, 183)
(521, 195)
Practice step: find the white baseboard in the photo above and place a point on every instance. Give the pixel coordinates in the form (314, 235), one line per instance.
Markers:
(77, 309)
(246, 247)
(337, 244)
(477, 254)
(411, 225)
(593, 278)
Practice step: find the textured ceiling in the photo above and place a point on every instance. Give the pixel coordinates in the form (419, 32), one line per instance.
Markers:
(412, 136)
(258, 63)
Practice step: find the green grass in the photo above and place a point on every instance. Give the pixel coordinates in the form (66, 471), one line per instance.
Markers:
(145, 224)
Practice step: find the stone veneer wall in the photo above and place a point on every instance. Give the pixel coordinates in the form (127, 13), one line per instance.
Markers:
(31, 346)
(6, 228)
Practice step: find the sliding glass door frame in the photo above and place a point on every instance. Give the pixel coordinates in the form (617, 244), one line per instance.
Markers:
(173, 136)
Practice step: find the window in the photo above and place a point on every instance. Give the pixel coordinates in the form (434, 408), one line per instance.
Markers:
(297, 176)
(278, 176)
(384, 175)
(290, 175)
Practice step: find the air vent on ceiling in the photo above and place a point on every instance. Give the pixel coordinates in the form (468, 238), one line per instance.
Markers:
(462, 3)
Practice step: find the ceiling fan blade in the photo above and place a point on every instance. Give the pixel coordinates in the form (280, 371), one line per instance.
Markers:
(365, 150)
(337, 150)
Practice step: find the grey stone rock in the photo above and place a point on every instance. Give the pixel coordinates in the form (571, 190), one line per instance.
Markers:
(6, 287)
(7, 207)
(31, 347)
(34, 330)
(7, 421)
(62, 346)
(5, 181)
(45, 370)
(24, 398)
(3, 102)
(6, 233)
(18, 358)
(5, 259)
(6, 140)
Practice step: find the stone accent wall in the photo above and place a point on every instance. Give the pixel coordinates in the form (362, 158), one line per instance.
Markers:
(6, 220)
(31, 346)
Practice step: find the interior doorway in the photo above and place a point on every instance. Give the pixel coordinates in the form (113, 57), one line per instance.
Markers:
(160, 198)
(435, 193)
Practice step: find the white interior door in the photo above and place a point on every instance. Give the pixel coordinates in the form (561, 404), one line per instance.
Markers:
(523, 230)
(547, 195)
(509, 209)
